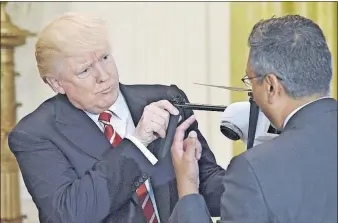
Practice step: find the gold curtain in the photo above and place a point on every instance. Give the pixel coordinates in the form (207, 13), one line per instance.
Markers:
(243, 15)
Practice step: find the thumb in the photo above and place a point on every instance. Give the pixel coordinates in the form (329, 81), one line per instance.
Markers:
(191, 146)
(192, 134)
(198, 148)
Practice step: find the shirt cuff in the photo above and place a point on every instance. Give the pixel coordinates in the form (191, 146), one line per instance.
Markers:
(143, 149)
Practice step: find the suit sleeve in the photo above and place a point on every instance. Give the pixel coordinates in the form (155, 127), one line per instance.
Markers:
(210, 174)
(242, 200)
(190, 209)
(143, 149)
(62, 195)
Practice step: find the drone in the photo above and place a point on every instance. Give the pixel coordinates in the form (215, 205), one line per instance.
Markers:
(180, 102)
(253, 118)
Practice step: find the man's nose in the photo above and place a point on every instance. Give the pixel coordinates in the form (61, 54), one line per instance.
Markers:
(102, 74)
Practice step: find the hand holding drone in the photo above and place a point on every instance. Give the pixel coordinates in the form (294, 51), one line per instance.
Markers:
(240, 120)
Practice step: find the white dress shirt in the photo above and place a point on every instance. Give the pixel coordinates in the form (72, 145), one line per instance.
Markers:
(297, 109)
(123, 124)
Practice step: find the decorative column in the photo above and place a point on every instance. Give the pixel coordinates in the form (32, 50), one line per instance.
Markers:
(11, 37)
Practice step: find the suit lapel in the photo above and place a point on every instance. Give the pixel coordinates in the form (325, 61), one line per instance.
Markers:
(76, 126)
(136, 101)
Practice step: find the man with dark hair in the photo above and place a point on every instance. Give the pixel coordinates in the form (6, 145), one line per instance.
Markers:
(292, 178)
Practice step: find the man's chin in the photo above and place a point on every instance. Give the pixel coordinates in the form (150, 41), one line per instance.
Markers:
(106, 102)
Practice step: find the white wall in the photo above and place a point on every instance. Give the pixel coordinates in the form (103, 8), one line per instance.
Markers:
(159, 42)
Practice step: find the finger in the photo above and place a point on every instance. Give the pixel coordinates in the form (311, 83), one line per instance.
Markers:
(190, 149)
(198, 151)
(177, 147)
(192, 134)
(159, 120)
(159, 129)
(180, 130)
(161, 133)
(153, 111)
(178, 140)
(165, 104)
(187, 123)
(188, 142)
(176, 151)
(191, 139)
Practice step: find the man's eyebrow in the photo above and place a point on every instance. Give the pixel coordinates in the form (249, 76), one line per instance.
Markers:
(103, 54)
(80, 60)
(81, 65)
(84, 64)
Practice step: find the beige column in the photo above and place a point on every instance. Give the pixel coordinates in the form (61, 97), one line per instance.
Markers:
(11, 36)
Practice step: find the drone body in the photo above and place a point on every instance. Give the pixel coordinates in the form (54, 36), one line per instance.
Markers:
(240, 120)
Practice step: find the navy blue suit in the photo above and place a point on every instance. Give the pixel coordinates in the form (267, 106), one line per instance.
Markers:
(74, 175)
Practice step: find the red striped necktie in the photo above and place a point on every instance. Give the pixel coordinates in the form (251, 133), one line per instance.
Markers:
(142, 192)
(113, 137)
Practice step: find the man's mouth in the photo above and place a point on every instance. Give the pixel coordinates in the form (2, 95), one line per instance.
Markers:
(106, 90)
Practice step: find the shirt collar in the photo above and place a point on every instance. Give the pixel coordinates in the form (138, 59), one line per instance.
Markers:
(119, 108)
(297, 109)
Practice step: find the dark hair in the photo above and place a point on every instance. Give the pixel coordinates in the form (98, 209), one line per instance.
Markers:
(294, 49)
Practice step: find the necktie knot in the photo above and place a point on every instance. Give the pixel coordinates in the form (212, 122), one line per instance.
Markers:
(113, 137)
(105, 117)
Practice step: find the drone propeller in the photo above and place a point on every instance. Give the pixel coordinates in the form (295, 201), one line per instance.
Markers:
(227, 88)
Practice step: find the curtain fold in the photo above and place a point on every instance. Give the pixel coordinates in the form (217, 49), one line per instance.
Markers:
(243, 15)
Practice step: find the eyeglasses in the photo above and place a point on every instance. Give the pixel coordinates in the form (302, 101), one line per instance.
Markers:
(247, 80)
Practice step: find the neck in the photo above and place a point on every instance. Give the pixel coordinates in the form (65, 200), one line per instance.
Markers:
(291, 105)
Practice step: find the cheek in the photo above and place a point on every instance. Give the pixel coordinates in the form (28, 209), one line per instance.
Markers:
(112, 69)
(258, 95)
(255, 93)
(81, 90)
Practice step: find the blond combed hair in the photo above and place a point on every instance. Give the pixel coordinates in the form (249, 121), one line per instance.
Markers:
(71, 34)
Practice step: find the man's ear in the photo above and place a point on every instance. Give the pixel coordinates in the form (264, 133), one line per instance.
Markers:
(273, 87)
(55, 84)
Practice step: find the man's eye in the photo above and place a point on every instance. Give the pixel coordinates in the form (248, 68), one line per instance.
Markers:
(105, 57)
(84, 71)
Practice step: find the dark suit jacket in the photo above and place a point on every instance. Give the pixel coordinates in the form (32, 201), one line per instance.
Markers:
(291, 179)
(74, 175)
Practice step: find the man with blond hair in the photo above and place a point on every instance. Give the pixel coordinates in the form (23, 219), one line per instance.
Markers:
(90, 153)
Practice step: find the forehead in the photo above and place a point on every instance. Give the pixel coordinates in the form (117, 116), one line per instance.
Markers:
(89, 56)
(86, 48)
